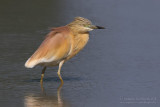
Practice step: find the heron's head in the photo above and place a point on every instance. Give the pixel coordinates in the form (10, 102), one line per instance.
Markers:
(81, 24)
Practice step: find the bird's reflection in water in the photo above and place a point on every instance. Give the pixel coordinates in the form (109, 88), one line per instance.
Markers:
(45, 100)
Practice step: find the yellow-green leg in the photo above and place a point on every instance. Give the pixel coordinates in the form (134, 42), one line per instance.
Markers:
(59, 71)
(42, 74)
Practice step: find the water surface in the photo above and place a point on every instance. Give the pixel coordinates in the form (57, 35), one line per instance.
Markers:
(119, 67)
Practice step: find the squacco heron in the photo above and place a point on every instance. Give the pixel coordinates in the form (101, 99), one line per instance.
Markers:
(61, 44)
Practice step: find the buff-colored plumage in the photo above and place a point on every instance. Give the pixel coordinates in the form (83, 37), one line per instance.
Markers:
(56, 47)
(61, 44)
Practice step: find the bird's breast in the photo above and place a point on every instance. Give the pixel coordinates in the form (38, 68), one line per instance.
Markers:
(79, 42)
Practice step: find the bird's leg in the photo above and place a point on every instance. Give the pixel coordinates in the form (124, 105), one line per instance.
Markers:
(60, 102)
(59, 71)
(42, 74)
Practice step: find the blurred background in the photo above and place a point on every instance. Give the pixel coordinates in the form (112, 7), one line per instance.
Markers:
(119, 67)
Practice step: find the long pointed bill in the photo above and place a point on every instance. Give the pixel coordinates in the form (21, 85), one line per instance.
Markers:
(99, 27)
(96, 27)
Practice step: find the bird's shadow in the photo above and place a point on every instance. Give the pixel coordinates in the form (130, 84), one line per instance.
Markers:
(55, 79)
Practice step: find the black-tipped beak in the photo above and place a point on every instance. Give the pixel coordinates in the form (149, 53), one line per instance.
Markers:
(99, 27)
(96, 27)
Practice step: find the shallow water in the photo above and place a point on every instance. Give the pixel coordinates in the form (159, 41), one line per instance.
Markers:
(119, 67)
